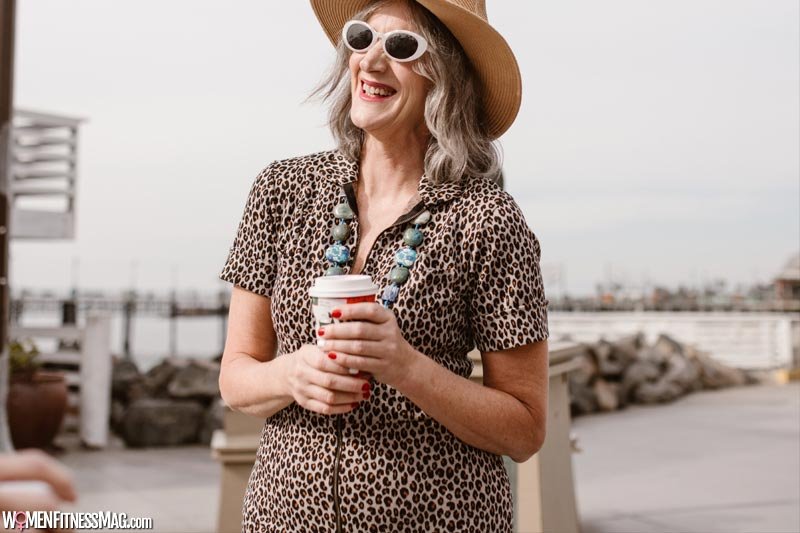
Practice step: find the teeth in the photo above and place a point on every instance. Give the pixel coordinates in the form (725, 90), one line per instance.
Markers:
(380, 91)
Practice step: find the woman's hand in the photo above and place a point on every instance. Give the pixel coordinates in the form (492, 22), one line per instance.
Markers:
(321, 384)
(57, 486)
(369, 340)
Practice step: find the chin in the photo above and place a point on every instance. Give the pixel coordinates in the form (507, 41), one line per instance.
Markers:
(367, 124)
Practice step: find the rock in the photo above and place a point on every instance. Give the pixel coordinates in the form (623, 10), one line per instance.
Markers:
(641, 371)
(606, 394)
(613, 357)
(117, 415)
(683, 372)
(136, 391)
(659, 392)
(668, 346)
(654, 356)
(212, 420)
(124, 373)
(587, 371)
(715, 375)
(582, 399)
(663, 373)
(158, 378)
(161, 422)
(198, 379)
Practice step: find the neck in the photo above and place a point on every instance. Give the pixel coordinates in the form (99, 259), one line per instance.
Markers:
(391, 169)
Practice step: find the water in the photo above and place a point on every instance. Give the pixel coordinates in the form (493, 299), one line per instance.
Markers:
(197, 337)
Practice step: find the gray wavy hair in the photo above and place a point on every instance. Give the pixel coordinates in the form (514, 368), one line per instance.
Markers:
(459, 143)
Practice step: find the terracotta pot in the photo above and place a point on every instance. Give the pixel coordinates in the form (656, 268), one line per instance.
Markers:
(36, 407)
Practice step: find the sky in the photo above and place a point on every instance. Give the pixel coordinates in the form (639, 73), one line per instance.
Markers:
(658, 142)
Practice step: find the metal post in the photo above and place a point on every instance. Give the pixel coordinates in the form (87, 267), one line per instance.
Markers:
(173, 324)
(69, 317)
(7, 20)
(129, 309)
(223, 313)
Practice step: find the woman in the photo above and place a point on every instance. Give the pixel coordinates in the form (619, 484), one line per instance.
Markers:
(409, 443)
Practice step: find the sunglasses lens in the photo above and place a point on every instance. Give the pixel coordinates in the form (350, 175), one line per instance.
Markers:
(359, 36)
(402, 46)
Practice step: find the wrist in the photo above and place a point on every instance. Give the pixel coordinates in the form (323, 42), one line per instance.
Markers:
(412, 371)
(281, 368)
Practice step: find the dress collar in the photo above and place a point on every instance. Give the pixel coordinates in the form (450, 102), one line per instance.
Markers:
(345, 174)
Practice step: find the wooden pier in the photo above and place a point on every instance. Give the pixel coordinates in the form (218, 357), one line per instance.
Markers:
(128, 304)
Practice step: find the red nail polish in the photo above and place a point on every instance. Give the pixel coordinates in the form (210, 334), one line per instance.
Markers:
(320, 332)
(354, 405)
(336, 313)
(365, 387)
(332, 355)
(366, 395)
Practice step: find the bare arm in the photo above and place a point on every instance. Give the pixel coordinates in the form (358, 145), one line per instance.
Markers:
(256, 382)
(506, 416)
(251, 379)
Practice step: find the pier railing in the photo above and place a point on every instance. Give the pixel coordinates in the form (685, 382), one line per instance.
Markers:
(752, 341)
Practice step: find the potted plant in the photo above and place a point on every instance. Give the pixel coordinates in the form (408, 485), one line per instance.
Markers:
(37, 400)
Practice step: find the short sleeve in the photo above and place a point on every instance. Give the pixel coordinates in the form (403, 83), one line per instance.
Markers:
(508, 307)
(252, 260)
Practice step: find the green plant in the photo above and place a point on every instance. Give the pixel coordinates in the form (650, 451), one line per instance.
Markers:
(22, 356)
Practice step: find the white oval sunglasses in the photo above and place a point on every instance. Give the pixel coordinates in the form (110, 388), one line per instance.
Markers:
(400, 45)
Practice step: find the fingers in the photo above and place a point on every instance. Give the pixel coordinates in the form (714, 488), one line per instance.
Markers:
(323, 385)
(337, 383)
(365, 365)
(329, 402)
(324, 361)
(351, 330)
(12, 499)
(326, 409)
(368, 311)
(353, 346)
(34, 464)
(332, 397)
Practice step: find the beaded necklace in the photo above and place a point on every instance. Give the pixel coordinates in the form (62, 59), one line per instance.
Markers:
(339, 253)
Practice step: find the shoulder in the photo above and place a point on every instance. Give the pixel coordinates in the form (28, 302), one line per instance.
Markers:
(485, 203)
(285, 180)
(310, 166)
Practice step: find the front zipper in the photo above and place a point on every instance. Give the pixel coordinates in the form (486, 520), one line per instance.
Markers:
(336, 504)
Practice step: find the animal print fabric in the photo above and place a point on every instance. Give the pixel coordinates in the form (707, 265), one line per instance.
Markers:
(476, 282)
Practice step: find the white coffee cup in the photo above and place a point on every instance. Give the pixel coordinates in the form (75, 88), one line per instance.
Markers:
(330, 292)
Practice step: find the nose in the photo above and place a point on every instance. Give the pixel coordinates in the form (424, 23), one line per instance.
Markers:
(374, 59)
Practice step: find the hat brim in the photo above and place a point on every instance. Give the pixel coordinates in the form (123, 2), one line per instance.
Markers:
(491, 57)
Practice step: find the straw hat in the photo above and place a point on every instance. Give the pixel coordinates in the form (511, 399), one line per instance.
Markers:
(490, 54)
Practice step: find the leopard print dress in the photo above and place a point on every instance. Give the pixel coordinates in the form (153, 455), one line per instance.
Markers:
(386, 466)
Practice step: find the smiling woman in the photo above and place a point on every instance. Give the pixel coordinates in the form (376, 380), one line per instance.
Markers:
(418, 93)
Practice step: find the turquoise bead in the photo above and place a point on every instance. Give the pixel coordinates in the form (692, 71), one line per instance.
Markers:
(399, 275)
(390, 294)
(343, 211)
(412, 237)
(340, 232)
(335, 271)
(338, 253)
(422, 218)
(406, 257)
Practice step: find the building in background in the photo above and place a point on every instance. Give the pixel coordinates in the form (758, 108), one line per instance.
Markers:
(787, 282)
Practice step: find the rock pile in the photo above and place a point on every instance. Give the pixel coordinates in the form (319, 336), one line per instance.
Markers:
(175, 402)
(613, 374)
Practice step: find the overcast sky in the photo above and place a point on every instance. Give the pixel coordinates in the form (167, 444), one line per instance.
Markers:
(657, 140)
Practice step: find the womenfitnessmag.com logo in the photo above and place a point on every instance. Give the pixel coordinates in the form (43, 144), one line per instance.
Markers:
(22, 520)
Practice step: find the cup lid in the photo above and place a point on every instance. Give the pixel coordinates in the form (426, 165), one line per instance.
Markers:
(343, 286)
